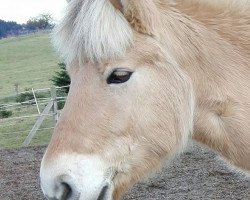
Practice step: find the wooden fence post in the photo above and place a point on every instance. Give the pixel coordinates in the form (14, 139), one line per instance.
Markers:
(38, 124)
(37, 106)
(55, 106)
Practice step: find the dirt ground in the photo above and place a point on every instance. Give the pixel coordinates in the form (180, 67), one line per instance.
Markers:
(196, 174)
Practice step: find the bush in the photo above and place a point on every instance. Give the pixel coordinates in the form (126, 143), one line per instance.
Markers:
(5, 113)
(60, 105)
(24, 96)
(28, 95)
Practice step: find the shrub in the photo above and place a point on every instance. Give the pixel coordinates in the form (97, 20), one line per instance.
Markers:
(24, 96)
(28, 95)
(5, 113)
(60, 105)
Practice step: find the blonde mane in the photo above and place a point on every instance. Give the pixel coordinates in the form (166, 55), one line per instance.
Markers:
(92, 29)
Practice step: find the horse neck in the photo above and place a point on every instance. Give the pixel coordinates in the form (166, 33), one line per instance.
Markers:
(220, 72)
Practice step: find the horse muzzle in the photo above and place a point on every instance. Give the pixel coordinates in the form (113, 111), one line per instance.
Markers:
(76, 178)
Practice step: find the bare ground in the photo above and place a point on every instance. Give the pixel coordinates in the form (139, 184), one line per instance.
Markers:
(196, 174)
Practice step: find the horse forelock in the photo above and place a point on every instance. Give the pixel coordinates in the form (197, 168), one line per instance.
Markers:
(93, 30)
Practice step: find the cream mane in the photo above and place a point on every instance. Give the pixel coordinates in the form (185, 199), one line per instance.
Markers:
(92, 29)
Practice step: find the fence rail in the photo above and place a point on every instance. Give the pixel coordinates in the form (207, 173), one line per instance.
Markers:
(30, 116)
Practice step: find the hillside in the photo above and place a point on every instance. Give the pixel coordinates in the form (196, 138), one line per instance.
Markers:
(29, 61)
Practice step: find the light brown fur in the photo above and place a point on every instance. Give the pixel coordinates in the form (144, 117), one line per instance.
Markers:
(192, 78)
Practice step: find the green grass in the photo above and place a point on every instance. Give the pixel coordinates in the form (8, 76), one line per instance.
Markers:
(28, 61)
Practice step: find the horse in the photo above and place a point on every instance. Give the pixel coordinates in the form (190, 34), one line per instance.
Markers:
(146, 77)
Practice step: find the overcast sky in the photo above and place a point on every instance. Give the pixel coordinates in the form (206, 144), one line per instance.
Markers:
(22, 10)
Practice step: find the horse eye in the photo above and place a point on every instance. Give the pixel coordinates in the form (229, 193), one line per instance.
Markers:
(119, 76)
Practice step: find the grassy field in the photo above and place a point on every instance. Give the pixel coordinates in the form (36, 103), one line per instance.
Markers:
(14, 132)
(28, 61)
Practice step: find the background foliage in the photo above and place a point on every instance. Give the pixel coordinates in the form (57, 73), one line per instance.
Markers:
(41, 22)
(61, 77)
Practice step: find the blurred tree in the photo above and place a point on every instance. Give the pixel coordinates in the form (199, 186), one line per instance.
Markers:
(61, 78)
(41, 22)
(9, 28)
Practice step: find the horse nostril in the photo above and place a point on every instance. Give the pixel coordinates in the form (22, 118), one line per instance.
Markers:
(63, 191)
(67, 191)
(103, 193)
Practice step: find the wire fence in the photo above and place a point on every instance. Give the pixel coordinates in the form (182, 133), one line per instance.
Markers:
(20, 117)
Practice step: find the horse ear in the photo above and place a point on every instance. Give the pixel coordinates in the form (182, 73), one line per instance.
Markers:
(143, 15)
